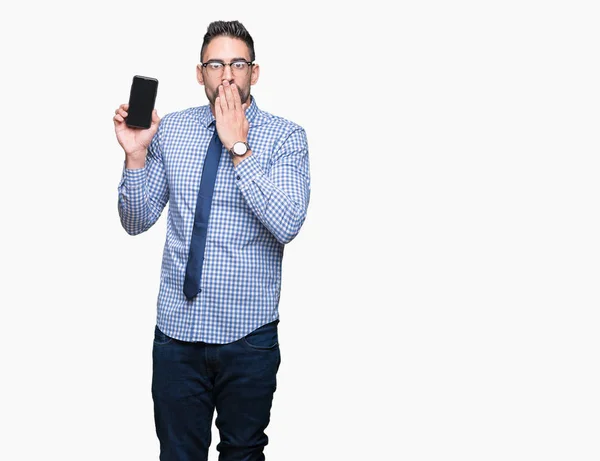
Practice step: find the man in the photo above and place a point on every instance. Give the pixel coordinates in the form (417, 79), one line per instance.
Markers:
(237, 182)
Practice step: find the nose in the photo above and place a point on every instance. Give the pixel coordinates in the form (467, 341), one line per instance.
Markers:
(227, 74)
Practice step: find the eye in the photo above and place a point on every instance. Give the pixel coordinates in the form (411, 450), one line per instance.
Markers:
(215, 65)
(238, 65)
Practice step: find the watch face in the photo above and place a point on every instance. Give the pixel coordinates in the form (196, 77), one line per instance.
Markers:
(239, 148)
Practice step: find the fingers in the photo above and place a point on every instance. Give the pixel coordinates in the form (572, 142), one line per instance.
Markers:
(237, 101)
(229, 95)
(218, 108)
(155, 118)
(122, 108)
(223, 98)
(121, 113)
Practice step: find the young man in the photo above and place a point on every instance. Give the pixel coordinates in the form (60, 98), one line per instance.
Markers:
(237, 179)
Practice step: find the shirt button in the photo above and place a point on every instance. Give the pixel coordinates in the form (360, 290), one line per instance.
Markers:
(200, 290)
(238, 177)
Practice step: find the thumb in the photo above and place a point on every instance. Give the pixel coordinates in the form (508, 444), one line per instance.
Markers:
(245, 106)
(155, 117)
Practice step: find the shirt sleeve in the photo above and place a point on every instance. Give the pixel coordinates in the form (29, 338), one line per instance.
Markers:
(143, 192)
(279, 196)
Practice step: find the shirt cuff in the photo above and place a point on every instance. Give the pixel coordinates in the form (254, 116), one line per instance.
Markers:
(134, 178)
(247, 171)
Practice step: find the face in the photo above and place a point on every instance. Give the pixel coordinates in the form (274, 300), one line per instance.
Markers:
(226, 49)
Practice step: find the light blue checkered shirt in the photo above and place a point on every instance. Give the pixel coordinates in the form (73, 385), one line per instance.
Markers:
(257, 207)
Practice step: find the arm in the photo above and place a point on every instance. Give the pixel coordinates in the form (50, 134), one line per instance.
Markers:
(143, 192)
(279, 197)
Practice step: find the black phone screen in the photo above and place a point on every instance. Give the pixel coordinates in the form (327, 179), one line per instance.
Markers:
(141, 101)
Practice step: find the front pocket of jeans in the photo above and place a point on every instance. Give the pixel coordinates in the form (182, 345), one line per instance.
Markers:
(263, 338)
(160, 338)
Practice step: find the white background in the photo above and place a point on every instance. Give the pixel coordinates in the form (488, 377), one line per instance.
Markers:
(441, 301)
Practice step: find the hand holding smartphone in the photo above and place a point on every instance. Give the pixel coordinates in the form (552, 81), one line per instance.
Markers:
(136, 123)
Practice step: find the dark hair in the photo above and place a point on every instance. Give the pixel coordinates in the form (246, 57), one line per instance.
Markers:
(230, 29)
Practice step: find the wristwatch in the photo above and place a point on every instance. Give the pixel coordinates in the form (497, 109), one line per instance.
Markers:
(239, 148)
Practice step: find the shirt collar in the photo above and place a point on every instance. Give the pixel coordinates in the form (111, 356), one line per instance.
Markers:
(206, 117)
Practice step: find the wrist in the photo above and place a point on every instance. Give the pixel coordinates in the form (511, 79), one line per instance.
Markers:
(230, 147)
(237, 159)
(135, 160)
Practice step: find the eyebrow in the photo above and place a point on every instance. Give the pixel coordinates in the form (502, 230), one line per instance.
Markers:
(232, 60)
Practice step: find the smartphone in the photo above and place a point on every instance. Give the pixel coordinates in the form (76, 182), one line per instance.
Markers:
(141, 101)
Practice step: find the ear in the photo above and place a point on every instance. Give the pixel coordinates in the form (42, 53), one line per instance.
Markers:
(255, 74)
(199, 75)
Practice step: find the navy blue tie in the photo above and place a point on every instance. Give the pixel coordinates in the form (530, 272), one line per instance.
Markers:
(193, 271)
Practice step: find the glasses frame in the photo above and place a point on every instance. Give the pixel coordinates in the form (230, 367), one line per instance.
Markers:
(213, 61)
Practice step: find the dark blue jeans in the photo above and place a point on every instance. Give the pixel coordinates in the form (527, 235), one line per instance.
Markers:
(191, 380)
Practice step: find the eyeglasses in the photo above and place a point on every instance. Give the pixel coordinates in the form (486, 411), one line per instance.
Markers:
(216, 68)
